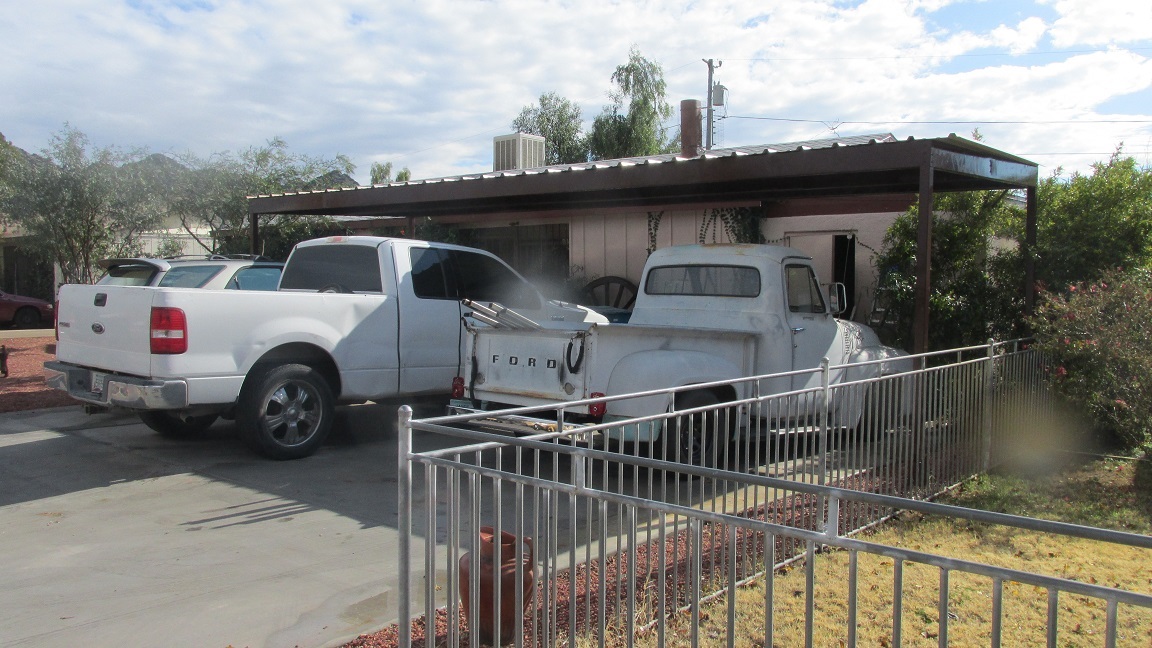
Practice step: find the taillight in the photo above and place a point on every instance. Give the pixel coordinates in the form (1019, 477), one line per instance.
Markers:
(458, 387)
(56, 320)
(597, 409)
(168, 331)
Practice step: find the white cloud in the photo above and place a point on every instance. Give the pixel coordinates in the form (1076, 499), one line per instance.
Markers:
(427, 85)
(1022, 38)
(1092, 22)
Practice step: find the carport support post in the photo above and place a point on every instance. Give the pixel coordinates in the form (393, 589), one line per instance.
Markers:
(404, 525)
(253, 233)
(1030, 253)
(923, 260)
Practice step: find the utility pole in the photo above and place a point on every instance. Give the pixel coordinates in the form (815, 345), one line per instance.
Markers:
(712, 65)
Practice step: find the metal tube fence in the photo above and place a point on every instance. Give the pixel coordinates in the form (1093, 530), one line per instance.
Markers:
(562, 536)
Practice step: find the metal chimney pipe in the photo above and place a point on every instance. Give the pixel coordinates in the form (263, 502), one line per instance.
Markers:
(690, 129)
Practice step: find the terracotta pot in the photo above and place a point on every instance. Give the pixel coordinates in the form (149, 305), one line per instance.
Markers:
(487, 570)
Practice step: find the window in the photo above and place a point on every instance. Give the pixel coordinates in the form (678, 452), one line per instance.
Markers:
(255, 278)
(482, 278)
(128, 275)
(314, 267)
(703, 281)
(428, 279)
(193, 276)
(804, 294)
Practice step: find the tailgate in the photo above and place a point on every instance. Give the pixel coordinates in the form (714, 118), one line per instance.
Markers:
(525, 367)
(105, 327)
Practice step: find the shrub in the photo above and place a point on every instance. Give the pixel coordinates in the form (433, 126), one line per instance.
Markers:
(1098, 337)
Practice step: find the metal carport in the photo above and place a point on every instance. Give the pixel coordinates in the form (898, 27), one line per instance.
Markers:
(770, 176)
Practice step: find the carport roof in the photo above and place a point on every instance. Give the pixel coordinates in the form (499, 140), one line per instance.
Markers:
(861, 165)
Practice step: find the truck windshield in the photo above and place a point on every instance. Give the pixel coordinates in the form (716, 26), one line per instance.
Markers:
(703, 281)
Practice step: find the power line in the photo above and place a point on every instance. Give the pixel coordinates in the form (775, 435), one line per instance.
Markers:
(943, 56)
(952, 121)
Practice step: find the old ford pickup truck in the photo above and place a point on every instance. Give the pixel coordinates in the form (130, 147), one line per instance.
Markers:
(704, 313)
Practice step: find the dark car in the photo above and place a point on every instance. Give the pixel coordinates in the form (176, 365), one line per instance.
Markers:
(212, 272)
(25, 312)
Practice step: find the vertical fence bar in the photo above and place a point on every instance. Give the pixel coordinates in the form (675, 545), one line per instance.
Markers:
(695, 550)
(997, 611)
(1053, 611)
(430, 535)
(853, 576)
(769, 588)
(454, 498)
(897, 601)
(989, 398)
(630, 552)
(498, 540)
(732, 539)
(601, 572)
(404, 515)
(810, 594)
(1110, 625)
(943, 608)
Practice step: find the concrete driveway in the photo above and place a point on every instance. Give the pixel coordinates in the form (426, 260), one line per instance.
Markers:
(111, 535)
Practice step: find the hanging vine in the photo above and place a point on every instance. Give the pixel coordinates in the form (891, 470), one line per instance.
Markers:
(740, 224)
(653, 228)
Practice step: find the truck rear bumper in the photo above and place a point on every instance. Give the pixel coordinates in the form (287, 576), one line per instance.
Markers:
(110, 390)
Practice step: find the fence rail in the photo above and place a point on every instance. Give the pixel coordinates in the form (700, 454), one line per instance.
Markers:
(604, 541)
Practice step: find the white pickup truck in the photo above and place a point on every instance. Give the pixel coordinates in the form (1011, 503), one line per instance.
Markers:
(703, 313)
(355, 319)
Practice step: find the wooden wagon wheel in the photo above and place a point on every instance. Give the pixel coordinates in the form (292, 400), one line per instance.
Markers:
(613, 291)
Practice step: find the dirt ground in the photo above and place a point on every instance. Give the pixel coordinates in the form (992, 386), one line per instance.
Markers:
(24, 388)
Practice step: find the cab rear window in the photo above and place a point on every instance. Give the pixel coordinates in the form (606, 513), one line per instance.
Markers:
(703, 281)
(317, 267)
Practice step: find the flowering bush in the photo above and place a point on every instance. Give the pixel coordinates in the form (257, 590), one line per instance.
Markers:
(1098, 337)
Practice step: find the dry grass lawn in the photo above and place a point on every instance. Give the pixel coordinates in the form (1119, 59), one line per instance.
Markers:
(1107, 493)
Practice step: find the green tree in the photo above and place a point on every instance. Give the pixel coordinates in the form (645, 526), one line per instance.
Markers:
(976, 286)
(557, 120)
(382, 174)
(1095, 337)
(1091, 223)
(632, 125)
(213, 192)
(75, 204)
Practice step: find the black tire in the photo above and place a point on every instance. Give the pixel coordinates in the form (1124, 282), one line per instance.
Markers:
(693, 437)
(286, 411)
(174, 427)
(26, 318)
(336, 288)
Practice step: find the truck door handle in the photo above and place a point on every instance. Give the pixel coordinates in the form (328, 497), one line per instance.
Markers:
(797, 329)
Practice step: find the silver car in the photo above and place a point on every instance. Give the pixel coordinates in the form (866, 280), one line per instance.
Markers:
(213, 272)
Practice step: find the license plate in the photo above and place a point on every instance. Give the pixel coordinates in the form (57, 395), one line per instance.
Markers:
(96, 383)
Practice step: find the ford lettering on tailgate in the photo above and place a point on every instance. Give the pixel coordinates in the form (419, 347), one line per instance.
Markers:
(547, 363)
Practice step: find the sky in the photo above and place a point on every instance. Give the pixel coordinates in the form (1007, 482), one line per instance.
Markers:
(427, 84)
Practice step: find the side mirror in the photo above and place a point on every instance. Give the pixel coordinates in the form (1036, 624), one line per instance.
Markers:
(837, 297)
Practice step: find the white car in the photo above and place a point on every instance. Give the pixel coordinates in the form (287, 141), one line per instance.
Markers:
(213, 272)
